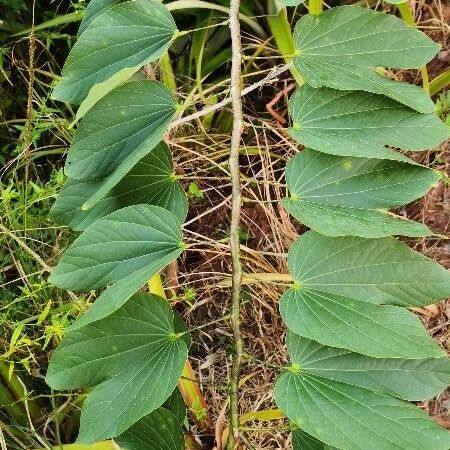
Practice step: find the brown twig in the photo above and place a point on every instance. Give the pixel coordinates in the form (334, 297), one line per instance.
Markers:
(269, 106)
(271, 77)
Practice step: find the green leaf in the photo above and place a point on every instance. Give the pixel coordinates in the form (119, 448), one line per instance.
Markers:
(119, 245)
(150, 181)
(357, 182)
(94, 9)
(98, 91)
(342, 47)
(129, 34)
(134, 115)
(373, 330)
(349, 195)
(160, 430)
(355, 418)
(303, 441)
(355, 123)
(382, 271)
(337, 221)
(112, 298)
(410, 379)
(133, 358)
(175, 403)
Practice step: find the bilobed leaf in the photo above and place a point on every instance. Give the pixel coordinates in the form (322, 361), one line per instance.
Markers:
(345, 196)
(357, 182)
(160, 430)
(175, 403)
(127, 35)
(337, 221)
(303, 441)
(373, 330)
(342, 47)
(151, 181)
(94, 9)
(410, 379)
(382, 271)
(355, 418)
(113, 297)
(120, 245)
(133, 115)
(356, 123)
(134, 359)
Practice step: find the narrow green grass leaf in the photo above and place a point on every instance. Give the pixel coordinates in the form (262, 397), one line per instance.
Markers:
(373, 330)
(355, 123)
(118, 245)
(382, 271)
(160, 430)
(342, 47)
(133, 358)
(345, 196)
(355, 418)
(151, 181)
(129, 34)
(410, 379)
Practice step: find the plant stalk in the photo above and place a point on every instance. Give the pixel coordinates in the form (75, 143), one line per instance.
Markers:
(407, 16)
(315, 7)
(236, 201)
(440, 82)
(281, 30)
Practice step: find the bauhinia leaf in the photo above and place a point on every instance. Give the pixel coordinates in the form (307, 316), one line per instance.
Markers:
(127, 35)
(303, 441)
(410, 379)
(151, 181)
(133, 115)
(113, 297)
(120, 245)
(342, 196)
(350, 417)
(134, 358)
(160, 430)
(342, 47)
(382, 271)
(356, 123)
(175, 403)
(373, 330)
(93, 10)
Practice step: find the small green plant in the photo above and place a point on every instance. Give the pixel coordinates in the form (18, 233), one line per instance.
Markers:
(358, 355)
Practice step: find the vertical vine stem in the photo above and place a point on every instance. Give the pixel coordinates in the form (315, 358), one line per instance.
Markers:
(236, 94)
